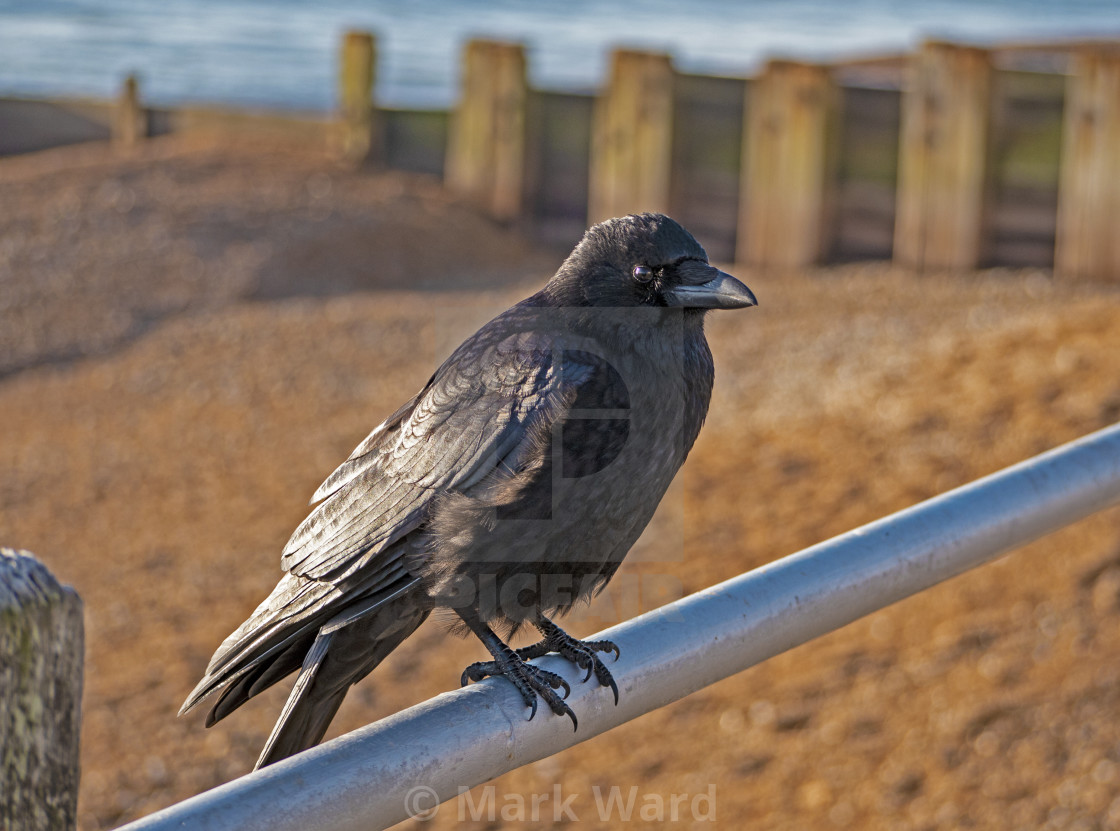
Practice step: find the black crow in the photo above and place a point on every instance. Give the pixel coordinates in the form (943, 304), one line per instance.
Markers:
(510, 487)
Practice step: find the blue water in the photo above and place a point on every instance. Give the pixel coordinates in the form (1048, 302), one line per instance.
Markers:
(282, 52)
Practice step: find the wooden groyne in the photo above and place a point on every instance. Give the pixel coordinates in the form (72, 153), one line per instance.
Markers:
(949, 158)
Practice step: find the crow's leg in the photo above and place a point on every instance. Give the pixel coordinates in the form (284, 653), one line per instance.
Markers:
(581, 653)
(529, 680)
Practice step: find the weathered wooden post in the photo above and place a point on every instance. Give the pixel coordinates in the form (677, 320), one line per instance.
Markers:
(357, 66)
(631, 137)
(1088, 244)
(486, 146)
(130, 121)
(788, 189)
(41, 650)
(942, 165)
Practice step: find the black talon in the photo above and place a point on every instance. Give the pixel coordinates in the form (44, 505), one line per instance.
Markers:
(478, 671)
(607, 680)
(581, 653)
(531, 681)
(567, 687)
(604, 646)
(534, 682)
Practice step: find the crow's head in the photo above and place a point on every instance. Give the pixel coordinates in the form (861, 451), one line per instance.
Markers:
(643, 260)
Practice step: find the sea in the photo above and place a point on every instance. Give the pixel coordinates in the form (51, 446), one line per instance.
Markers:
(282, 53)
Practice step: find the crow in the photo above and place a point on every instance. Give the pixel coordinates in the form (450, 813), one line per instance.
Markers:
(505, 491)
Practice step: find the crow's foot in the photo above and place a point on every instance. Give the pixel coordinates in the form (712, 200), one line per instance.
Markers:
(531, 681)
(581, 653)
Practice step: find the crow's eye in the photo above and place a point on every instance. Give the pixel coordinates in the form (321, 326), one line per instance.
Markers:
(643, 273)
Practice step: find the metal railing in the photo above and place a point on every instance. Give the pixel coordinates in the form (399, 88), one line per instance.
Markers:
(407, 763)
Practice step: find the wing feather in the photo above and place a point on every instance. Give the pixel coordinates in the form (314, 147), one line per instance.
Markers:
(474, 412)
(358, 460)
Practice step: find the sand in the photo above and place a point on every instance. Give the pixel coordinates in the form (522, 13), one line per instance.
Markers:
(193, 336)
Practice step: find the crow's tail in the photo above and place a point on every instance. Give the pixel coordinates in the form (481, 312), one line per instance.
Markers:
(337, 659)
(307, 712)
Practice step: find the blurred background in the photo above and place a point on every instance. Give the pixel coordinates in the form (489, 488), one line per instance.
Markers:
(234, 236)
(281, 54)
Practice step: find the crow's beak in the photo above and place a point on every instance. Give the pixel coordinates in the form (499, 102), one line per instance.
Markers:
(713, 289)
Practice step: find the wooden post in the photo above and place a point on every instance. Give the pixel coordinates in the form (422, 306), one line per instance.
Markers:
(357, 63)
(130, 122)
(785, 215)
(942, 165)
(631, 158)
(486, 146)
(41, 650)
(1088, 244)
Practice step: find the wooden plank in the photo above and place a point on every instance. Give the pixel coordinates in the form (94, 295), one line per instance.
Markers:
(357, 67)
(1023, 161)
(867, 167)
(558, 147)
(788, 178)
(631, 146)
(130, 122)
(486, 146)
(707, 151)
(415, 140)
(942, 176)
(41, 651)
(1088, 245)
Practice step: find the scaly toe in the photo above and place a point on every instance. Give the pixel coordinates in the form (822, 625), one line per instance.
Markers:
(478, 671)
(604, 646)
(529, 680)
(606, 679)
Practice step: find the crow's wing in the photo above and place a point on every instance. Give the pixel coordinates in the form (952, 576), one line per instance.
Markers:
(472, 417)
(477, 413)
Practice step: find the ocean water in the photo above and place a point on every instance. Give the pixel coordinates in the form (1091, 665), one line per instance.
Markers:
(282, 53)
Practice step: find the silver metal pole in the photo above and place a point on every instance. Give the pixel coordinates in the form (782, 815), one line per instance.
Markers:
(387, 771)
